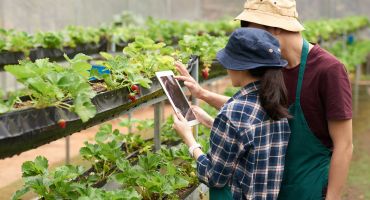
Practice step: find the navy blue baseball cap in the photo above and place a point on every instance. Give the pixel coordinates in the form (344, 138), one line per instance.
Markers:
(250, 48)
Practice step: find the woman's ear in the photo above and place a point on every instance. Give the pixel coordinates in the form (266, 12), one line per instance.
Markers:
(278, 31)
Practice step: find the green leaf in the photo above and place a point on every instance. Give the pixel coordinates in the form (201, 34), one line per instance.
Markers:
(106, 128)
(41, 162)
(123, 164)
(150, 161)
(39, 166)
(43, 87)
(106, 56)
(128, 194)
(20, 72)
(81, 57)
(178, 182)
(83, 106)
(19, 193)
(127, 122)
(144, 82)
(101, 136)
(95, 73)
(86, 152)
(82, 68)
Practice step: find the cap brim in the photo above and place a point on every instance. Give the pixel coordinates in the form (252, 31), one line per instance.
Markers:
(230, 63)
(270, 19)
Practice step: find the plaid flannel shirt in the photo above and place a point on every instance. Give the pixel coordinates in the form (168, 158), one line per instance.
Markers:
(247, 149)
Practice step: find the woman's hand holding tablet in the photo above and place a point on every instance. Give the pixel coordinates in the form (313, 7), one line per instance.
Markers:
(176, 96)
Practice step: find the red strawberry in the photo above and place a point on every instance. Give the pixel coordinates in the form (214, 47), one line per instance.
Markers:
(132, 97)
(62, 123)
(205, 73)
(135, 89)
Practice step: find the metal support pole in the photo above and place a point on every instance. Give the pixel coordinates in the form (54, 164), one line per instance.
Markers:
(368, 65)
(163, 117)
(194, 101)
(357, 88)
(112, 47)
(67, 150)
(16, 84)
(4, 81)
(129, 116)
(157, 126)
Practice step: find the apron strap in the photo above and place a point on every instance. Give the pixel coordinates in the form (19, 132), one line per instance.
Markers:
(302, 68)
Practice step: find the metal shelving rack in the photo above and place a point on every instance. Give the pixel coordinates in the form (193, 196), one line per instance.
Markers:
(46, 134)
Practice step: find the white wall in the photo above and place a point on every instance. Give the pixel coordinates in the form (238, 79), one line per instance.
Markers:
(33, 15)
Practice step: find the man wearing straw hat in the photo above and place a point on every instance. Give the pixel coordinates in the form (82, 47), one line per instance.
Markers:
(320, 146)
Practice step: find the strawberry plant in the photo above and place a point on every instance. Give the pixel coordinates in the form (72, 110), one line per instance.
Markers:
(126, 34)
(138, 63)
(59, 184)
(165, 30)
(127, 19)
(331, 28)
(62, 123)
(3, 35)
(135, 89)
(18, 42)
(48, 40)
(7, 105)
(148, 176)
(49, 185)
(107, 149)
(101, 194)
(132, 97)
(204, 46)
(205, 73)
(154, 176)
(50, 84)
(75, 35)
(351, 55)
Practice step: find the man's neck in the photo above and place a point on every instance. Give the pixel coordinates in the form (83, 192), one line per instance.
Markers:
(293, 50)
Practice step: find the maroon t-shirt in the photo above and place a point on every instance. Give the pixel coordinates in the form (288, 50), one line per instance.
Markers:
(326, 92)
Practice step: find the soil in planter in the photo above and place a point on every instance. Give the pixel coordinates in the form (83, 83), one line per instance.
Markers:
(23, 105)
(99, 87)
(183, 193)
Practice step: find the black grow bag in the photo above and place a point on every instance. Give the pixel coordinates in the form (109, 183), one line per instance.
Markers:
(122, 44)
(10, 58)
(29, 128)
(88, 49)
(52, 53)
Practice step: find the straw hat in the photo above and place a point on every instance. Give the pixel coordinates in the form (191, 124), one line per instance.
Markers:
(274, 13)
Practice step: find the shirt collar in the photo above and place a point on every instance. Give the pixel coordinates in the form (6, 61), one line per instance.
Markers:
(249, 88)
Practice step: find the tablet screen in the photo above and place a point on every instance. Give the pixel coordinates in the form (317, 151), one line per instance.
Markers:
(177, 96)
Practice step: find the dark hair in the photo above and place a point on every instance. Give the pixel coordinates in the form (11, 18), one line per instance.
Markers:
(244, 23)
(273, 93)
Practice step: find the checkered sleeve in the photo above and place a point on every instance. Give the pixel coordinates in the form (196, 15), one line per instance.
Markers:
(216, 167)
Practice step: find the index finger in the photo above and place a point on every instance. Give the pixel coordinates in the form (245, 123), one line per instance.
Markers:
(182, 69)
(195, 108)
(180, 117)
(183, 78)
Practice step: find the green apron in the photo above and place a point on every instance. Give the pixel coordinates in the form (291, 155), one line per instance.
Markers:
(307, 159)
(220, 193)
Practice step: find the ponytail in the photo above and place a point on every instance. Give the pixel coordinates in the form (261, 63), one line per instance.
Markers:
(273, 93)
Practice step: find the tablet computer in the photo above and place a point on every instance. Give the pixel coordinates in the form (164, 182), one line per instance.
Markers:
(176, 96)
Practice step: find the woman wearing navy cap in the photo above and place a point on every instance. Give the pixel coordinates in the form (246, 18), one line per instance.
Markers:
(249, 136)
